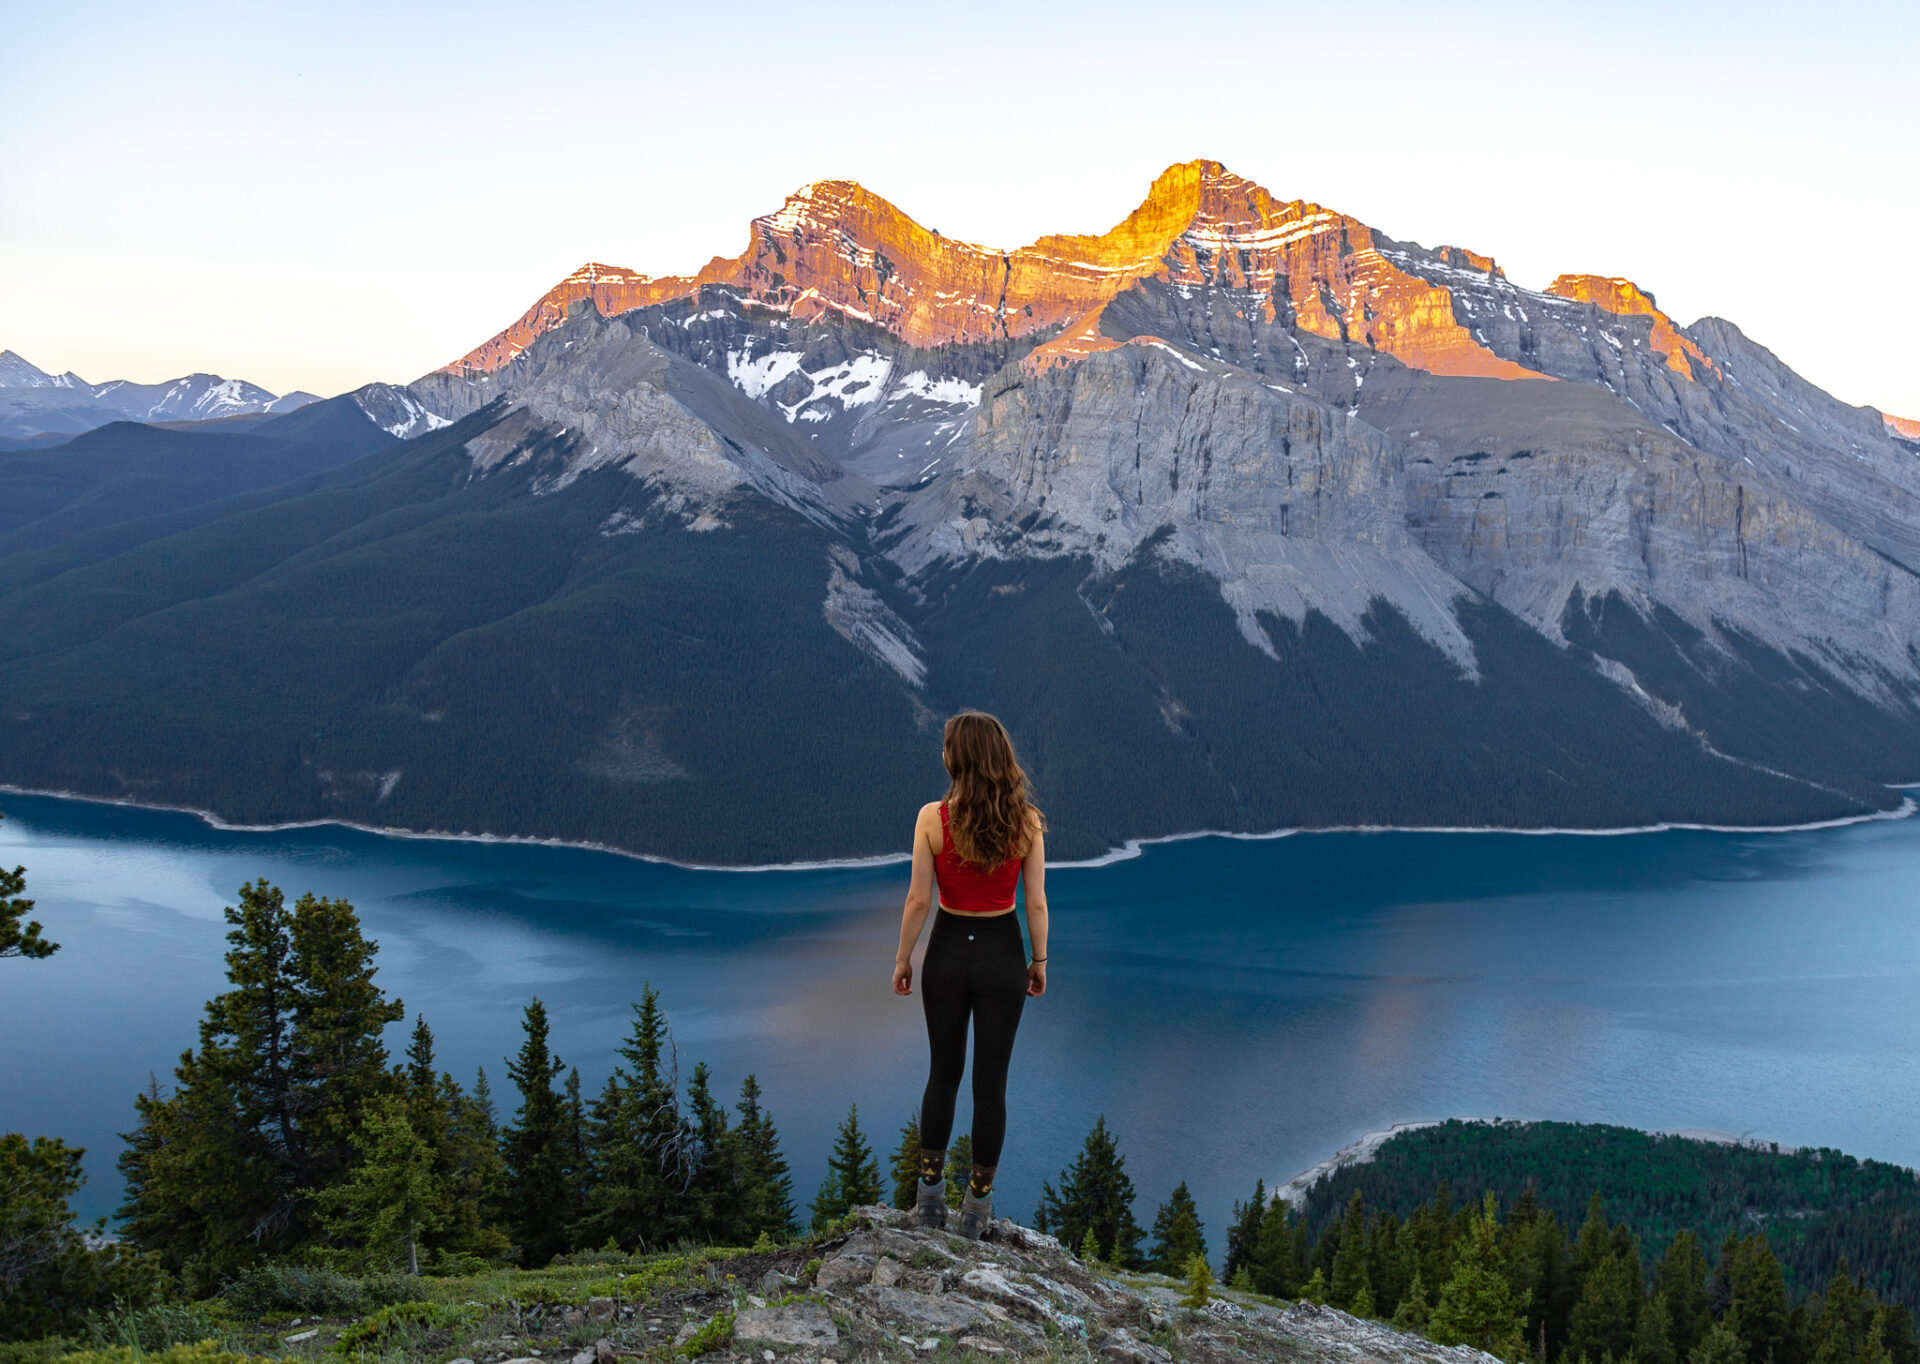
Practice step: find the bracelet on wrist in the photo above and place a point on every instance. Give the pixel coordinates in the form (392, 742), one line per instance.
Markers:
(1038, 961)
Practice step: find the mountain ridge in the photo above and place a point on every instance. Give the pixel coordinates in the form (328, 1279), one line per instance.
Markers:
(35, 403)
(1244, 515)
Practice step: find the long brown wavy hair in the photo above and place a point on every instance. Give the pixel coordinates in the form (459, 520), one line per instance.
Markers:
(990, 810)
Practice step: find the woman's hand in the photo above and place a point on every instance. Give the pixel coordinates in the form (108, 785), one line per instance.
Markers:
(903, 976)
(1036, 978)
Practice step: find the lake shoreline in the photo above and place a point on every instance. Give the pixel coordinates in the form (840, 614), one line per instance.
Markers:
(1129, 849)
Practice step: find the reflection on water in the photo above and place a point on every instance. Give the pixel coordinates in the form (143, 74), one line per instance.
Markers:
(1237, 1009)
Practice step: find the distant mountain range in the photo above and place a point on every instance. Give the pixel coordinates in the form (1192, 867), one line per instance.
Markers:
(1244, 514)
(35, 403)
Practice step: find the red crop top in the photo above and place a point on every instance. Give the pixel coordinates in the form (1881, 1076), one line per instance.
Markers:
(966, 889)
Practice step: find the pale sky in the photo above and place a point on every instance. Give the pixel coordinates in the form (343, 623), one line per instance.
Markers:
(317, 196)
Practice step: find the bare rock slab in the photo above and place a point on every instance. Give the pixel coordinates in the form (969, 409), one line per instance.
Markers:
(798, 1323)
(1121, 1346)
(922, 1310)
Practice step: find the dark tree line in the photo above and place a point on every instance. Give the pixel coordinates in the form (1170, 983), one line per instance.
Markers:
(289, 1134)
(1818, 1208)
(1522, 1286)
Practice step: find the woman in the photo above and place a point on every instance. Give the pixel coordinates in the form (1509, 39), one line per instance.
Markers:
(974, 846)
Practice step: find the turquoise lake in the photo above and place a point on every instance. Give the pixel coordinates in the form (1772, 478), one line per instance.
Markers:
(1237, 1009)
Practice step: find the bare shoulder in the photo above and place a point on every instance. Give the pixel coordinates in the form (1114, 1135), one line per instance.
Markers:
(1036, 838)
(928, 827)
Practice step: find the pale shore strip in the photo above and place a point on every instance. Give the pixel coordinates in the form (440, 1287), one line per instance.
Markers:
(1294, 1191)
(1131, 848)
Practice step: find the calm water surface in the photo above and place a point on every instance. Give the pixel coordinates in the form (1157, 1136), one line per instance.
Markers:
(1236, 1009)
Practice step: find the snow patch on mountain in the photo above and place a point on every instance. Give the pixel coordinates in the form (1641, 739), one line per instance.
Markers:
(396, 411)
(946, 390)
(16, 371)
(753, 375)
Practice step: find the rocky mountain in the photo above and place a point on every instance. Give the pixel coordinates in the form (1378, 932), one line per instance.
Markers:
(1245, 514)
(34, 403)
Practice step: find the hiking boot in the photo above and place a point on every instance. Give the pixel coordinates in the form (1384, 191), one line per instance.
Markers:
(976, 1210)
(930, 1205)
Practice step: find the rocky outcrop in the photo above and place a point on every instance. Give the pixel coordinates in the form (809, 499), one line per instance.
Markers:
(1625, 298)
(882, 1290)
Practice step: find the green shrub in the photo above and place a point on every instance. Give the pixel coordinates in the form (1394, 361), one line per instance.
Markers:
(709, 1337)
(394, 1324)
(157, 1326)
(42, 1351)
(460, 1264)
(313, 1290)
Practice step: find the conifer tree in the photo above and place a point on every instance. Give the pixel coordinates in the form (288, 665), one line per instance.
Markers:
(1413, 1310)
(420, 1073)
(290, 1058)
(1362, 1305)
(475, 1171)
(714, 1193)
(578, 1160)
(50, 1280)
(1652, 1343)
(1607, 1313)
(642, 1143)
(1177, 1234)
(1277, 1261)
(336, 1060)
(1199, 1282)
(853, 1175)
(1350, 1260)
(1477, 1307)
(765, 1197)
(1315, 1288)
(17, 939)
(1090, 1247)
(1243, 1235)
(393, 1196)
(904, 1170)
(1097, 1194)
(1759, 1313)
(539, 1194)
(1720, 1345)
(1680, 1280)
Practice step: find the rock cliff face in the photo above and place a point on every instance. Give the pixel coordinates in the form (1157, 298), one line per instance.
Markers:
(834, 247)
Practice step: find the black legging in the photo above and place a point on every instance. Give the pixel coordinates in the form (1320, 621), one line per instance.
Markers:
(974, 966)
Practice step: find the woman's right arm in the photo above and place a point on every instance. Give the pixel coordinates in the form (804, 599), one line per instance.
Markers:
(913, 917)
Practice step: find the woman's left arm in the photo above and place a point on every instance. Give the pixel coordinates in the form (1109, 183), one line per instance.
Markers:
(1033, 875)
(913, 915)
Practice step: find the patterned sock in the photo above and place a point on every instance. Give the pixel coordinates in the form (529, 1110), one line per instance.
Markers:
(981, 1184)
(933, 1166)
